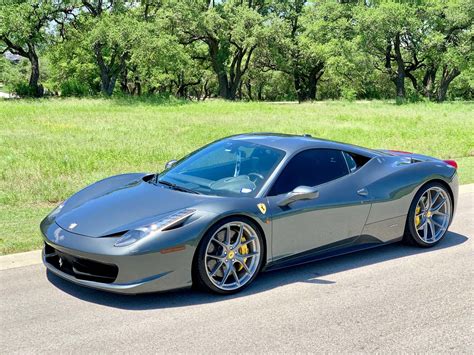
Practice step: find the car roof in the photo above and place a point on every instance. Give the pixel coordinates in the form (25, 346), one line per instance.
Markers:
(291, 143)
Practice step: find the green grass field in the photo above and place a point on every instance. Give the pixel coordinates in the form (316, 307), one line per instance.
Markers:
(51, 148)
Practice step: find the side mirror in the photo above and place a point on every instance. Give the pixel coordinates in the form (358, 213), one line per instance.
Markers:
(170, 164)
(299, 193)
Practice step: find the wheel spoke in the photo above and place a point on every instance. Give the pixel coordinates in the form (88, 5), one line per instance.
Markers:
(428, 200)
(248, 241)
(228, 234)
(244, 265)
(438, 206)
(433, 200)
(239, 236)
(216, 268)
(218, 257)
(425, 203)
(227, 272)
(236, 277)
(422, 224)
(437, 223)
(250, 255)
(425, 231)
(219, 242)
(432, 229)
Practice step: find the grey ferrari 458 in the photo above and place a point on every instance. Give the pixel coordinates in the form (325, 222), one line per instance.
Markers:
(242, 205)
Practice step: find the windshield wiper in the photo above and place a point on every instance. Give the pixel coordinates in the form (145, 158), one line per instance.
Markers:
(177, 187)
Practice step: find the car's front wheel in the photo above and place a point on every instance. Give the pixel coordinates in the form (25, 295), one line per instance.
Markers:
(429, 216)
(230, 256)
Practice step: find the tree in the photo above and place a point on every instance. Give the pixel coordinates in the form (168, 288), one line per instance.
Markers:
(329, 36)
(109, 29)
(231, 30)
(23, 29)
(392, 33)
(285, 51)
(449, 42)
(160, 63)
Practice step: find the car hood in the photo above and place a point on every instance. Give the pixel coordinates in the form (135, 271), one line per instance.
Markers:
(122, 208)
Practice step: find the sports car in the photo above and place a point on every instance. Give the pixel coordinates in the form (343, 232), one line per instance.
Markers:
(242, 205)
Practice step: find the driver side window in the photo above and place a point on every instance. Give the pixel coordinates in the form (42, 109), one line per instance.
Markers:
(311, 167)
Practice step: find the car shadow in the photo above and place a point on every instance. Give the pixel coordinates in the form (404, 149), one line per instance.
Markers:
(317, 273)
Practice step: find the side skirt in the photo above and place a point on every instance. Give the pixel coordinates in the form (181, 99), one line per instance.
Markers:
(342, 247)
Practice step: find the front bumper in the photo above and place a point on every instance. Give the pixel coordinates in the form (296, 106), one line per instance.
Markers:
(121, 270)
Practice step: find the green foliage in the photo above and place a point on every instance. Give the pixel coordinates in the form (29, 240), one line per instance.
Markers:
(12, 73)
(249, 50)
(349, 94)
(22, 89)
(73, 87)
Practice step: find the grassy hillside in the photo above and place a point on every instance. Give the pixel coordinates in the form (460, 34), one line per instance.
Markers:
(51, 148)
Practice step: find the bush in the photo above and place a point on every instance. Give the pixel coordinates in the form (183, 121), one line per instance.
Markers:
(22, 89)
(349, 94)
(73, 87)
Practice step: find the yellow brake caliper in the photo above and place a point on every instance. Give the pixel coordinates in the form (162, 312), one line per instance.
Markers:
(243, 250)
(417, 216)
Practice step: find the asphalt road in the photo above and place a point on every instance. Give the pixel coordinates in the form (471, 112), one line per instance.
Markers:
(395, 298)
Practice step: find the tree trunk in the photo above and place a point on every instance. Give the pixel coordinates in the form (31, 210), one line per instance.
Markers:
(260, 92)
(36, 88)
(414, 82)
(446, 79)
(248, 86)
(124, 84)
(400, 86)
(400, 77)
(314, 77)
(428, 81)
(108, 76)
(300, 87)
(219, 68)
(138, 87)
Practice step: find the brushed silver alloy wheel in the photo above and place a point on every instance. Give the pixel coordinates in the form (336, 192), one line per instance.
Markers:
(232, 255)
(432, 214)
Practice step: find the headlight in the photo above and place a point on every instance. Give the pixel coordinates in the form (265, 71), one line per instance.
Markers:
(152, 229)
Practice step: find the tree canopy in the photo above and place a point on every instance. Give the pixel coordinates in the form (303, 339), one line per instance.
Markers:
(240, 50)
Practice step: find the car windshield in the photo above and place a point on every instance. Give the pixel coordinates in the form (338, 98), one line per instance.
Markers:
(225, 168)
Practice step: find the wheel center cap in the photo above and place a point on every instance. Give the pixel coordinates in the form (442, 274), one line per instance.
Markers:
(428, 214)
(231, 254)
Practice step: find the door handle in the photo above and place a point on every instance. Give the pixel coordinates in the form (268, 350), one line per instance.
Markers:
(363, 192)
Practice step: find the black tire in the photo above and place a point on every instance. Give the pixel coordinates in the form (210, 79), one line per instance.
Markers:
(200, 276)
(411, 236)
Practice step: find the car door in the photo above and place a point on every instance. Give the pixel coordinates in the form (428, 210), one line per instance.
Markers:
(334, 218)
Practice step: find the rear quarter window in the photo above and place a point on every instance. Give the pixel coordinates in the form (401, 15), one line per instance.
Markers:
(355, 161)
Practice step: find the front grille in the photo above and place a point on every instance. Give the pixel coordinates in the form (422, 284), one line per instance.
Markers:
(80, 268)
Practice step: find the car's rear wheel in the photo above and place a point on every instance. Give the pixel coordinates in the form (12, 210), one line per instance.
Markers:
(429, 216)
(229, 256)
